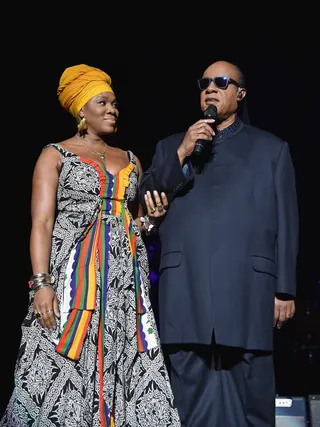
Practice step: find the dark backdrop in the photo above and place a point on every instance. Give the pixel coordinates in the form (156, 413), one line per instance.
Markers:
(155, 56)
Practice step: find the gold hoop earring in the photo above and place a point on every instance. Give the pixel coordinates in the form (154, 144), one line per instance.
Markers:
(82, 125)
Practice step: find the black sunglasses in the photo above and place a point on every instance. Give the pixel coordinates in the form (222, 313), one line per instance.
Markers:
(219, 82)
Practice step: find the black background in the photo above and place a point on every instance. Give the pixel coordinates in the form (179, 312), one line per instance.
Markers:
(154, 55)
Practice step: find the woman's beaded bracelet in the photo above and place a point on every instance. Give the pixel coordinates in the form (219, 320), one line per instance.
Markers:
(147, 226)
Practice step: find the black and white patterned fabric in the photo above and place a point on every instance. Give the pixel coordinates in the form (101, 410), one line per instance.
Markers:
(54, 391)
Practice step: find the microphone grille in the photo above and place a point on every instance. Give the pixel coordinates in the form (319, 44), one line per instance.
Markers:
(211, 112)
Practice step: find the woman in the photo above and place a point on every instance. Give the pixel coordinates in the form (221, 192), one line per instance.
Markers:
(90, 352)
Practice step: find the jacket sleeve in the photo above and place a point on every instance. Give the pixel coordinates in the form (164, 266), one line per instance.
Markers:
(165, 173)
(288, 222)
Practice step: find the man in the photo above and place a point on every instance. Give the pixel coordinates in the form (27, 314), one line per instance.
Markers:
(229, 245)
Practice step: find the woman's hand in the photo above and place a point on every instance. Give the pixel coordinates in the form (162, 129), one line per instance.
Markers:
(45, 307)
(157, 205)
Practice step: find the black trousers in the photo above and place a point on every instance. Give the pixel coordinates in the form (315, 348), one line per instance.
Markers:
(218, 386)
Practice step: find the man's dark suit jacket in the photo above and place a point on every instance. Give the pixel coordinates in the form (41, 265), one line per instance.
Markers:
(229, 240)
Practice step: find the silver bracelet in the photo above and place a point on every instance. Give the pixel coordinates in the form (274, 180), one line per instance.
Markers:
(39, 275)
(40, 279)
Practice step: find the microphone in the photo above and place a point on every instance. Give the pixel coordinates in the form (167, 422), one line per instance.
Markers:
(210, 113)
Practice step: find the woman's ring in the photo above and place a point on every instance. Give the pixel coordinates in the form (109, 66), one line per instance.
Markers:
(153, 210)
(38, 315)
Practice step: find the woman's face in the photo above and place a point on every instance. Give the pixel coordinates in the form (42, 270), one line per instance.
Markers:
(101, 113)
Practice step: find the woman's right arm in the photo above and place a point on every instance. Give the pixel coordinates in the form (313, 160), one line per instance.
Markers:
(43, 207)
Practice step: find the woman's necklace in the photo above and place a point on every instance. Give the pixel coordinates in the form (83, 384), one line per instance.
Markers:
(97, 153)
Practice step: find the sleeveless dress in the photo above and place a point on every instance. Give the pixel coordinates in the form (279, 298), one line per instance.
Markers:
(102, 365)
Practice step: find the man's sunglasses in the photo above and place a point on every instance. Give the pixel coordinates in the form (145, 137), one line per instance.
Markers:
(219, 82)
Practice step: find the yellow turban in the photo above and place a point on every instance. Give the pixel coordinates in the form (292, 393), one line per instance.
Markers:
(80, 83)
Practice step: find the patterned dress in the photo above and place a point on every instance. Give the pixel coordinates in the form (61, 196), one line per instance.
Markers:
(102, 365)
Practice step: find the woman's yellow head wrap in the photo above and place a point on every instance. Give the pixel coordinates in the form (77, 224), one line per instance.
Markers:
(80, 83)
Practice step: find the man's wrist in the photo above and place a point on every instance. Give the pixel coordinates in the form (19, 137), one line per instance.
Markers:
(181, 155)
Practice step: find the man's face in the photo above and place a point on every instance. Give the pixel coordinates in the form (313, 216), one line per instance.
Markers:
(226, 96)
